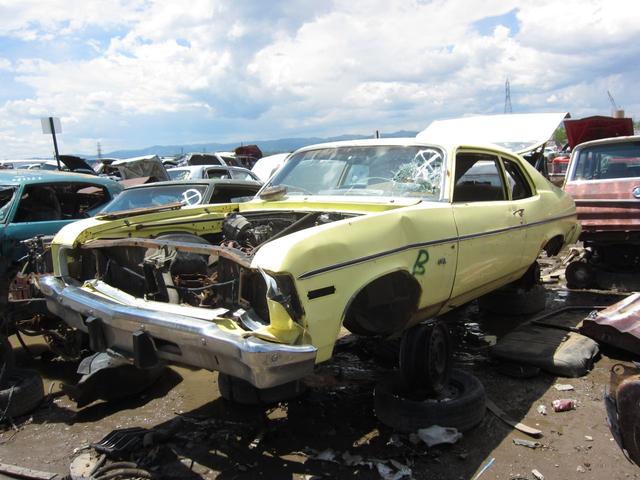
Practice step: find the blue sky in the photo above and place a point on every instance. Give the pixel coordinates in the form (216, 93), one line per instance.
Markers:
(130, 74)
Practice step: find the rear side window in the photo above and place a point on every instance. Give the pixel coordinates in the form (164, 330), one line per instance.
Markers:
(478, 178)
(216, 173)
(516, 181)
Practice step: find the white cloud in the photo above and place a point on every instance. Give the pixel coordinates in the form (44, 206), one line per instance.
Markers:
(237, 68)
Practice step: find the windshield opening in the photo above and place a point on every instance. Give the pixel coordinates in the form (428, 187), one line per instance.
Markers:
(612, 161)
(376, 170)
(156, 196)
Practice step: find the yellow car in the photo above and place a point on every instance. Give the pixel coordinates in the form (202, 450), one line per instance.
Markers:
(374, 235)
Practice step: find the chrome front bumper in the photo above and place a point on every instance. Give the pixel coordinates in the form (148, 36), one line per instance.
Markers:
(177, 337)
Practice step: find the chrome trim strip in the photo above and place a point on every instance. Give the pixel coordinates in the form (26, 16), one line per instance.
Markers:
(355, 261)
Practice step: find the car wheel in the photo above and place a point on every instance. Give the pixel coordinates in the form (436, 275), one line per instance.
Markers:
(460, 405)
(518, 301)
(579, 275)
(21, 392)
(6, 357)
(240, 391)
(426, 357)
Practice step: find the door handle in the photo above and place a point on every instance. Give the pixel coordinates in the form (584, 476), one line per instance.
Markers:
(520, 212)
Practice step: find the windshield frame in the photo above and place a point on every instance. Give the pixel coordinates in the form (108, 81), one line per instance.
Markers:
(5, 210)
(439, 186)
(599, 148)
(149, 191)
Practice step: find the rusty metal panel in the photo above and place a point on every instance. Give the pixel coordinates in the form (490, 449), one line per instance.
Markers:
(617, 325)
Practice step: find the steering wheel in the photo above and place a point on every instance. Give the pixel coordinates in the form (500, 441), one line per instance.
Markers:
(192, 196)
(366, 179)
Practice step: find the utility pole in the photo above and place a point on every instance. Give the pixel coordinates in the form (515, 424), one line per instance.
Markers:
(507, 97)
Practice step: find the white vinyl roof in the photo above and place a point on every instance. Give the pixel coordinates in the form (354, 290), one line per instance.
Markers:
(518, 132)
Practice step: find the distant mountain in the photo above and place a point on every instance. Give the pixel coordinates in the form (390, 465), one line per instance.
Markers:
(268, 147)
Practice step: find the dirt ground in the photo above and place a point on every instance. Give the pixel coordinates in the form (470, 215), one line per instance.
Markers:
(332, 431)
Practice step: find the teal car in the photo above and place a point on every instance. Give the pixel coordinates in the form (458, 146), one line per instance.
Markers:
(38, 202)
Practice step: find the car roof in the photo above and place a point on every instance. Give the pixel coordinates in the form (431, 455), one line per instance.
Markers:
(20, 176)
(205, 182)
(213, 165)
(405, 141)
(606, 141)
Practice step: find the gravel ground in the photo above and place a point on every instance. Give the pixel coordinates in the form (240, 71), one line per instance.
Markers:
(331, 431)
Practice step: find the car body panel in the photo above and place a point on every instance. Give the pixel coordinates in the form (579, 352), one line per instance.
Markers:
(444, 252)
(14, 232)
(607, 203)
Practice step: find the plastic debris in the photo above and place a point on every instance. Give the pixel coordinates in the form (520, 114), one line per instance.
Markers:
(396, 472)
(526, 443)
(327, 455)
(563, 404)
(580, 469)
(563, 387)
(437, 435)
(542, 409)
(537, 474)
(485, 468)
(588, 438)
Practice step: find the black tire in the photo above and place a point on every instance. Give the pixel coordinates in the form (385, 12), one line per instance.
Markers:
(21, 392)
(579, 275)
(240, 391)
(461, 406)
(426, 357)
(7, 360)
(509, 301)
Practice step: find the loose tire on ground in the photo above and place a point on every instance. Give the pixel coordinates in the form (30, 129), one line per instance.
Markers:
(461, 406)
(240, 391)
(518, 301)
(21, 392)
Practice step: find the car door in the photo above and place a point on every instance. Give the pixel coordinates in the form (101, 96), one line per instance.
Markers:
(490, 229)
(525, 204)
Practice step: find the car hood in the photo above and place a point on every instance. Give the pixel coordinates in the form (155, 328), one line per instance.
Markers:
(149, 166)
(74, 164)
(519, 133)
(595, 128)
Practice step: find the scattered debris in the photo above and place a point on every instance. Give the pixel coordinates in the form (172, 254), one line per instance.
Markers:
(537, 474)
(120, 441)
(580, 469)
(588, 438)
(109, 376)
(437, 435)
(396, 472)
(21, 472)
(617, 325)
(526, 443)
(621, 402)
(563, 387)
(485, 468)
(542, 409)
(555, 350)
(501, 414)
(563, 405)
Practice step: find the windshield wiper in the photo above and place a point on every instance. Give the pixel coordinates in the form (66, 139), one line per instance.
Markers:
(139, 211)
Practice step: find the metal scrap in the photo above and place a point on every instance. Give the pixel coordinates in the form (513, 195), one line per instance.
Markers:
(617, 325)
